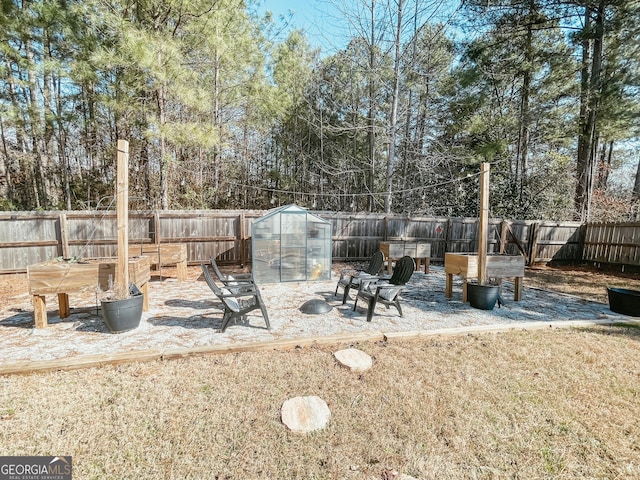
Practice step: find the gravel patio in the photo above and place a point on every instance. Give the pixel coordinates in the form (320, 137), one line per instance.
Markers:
(185, 316)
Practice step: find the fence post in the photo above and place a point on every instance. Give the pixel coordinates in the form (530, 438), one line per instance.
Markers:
(243, 256)
(64, 236)
(581, 240)
(503, 235)
(156, 227)
(385, 234)
(447, 238)
(533, 243)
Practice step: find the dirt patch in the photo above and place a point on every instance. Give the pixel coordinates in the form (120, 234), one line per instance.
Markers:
(581, 280)
(12, 285)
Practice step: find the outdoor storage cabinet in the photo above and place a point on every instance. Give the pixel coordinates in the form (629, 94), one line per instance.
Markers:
(289, 244)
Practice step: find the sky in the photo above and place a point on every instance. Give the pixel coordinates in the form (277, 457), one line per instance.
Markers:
(318, 19)
(328, 28)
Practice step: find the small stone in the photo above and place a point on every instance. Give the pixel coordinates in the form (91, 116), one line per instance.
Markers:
(305, 414)
(355, 359)
(395, 475)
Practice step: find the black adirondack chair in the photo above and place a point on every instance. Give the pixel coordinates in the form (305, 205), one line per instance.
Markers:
(351, 279)
(237, 302)
(387, 292)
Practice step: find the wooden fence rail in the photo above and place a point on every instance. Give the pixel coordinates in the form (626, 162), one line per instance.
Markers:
(32, 237)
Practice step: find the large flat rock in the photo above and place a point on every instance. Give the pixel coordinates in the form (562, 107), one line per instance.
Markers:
(354, 359)
(305, 414)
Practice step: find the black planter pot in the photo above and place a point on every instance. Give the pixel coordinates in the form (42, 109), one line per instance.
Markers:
(123, 315)
(626, 302)
(483, 297)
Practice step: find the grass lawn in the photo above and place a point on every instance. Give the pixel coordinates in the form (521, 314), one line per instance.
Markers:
(537, 404)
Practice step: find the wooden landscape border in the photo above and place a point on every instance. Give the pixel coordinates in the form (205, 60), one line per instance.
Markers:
(89, 361)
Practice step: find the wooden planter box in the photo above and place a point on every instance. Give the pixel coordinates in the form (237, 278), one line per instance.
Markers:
(163, 255)
(416, 250)
(498, 267)
(87, 275)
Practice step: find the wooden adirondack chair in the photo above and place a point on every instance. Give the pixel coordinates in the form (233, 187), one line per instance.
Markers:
(351, 279)
(237, 301)
(387, 292)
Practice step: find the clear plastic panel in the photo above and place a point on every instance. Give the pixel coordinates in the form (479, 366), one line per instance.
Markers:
(291, 245)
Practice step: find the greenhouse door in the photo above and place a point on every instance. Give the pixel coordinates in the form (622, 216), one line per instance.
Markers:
(293, 246)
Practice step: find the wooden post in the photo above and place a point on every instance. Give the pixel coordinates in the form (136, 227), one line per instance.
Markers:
(63, 305)
(582, 241)
(447, 239)
(243, 256)
(40, 311)
(484, 223)
(504, 227)
(122, 216)
(64, 236)
(533, 243)
(385, 233)
(156, 227)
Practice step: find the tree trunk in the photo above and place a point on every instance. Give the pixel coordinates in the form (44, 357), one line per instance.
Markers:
(19, 127)
(372, 100)
(35, 124)
(589, 100)
(49, 178)
(216, 122)
(604, 165)
(164, 182)
(90, 135)
(371, 133)
(523, 133)
(636, 185)
(394, 113)
(6, 190)
(62, 147)
(409, 152)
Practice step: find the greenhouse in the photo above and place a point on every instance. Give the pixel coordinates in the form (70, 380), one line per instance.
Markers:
(289, 244)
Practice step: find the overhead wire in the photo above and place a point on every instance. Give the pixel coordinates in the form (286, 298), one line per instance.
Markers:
(466, 178)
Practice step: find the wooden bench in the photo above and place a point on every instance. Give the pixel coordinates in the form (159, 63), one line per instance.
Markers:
(164, 255)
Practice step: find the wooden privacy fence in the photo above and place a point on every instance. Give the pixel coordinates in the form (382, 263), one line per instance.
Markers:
(612, 243)
(27, 238)
(32, 237)
(358, 236)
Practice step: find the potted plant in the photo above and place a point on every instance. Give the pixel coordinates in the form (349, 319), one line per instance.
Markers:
(122, 308)
(483, 297)
(624, 301)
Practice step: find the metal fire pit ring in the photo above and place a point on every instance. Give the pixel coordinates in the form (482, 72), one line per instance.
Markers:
(315, 306)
